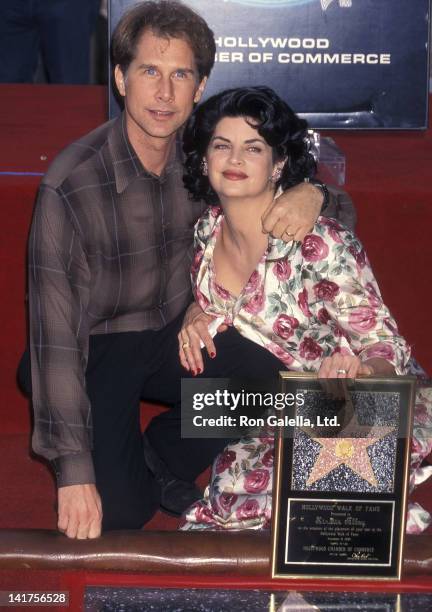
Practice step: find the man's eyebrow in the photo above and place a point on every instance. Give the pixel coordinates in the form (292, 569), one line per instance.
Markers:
(221, 138)
(178, 68)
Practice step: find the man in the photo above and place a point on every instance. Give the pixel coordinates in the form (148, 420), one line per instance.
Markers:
(109, 259)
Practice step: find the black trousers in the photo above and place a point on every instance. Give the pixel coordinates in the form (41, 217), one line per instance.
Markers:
(124, 368)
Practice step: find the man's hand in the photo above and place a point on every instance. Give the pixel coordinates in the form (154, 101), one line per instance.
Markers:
(193, 331)
(292, 215)
(79, 511)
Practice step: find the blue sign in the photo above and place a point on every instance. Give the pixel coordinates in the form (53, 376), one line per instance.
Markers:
(339, 63)
(269, 3)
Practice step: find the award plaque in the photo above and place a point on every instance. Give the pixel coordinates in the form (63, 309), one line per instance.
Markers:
(342, 460)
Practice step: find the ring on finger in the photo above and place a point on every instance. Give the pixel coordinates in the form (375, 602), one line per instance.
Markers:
(341, 371)
(288, 233)
(185, 344)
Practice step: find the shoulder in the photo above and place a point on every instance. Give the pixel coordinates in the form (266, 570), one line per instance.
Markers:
(330, 240)
(79, 152)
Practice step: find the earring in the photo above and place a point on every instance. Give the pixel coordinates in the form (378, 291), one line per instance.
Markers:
(276, 175)
(204, 167)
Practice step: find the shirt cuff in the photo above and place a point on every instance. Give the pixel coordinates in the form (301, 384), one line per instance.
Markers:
(74, 469)
(387, 351)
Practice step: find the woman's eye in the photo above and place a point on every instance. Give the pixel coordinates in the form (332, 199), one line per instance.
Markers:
(220, 146)
(254, 149)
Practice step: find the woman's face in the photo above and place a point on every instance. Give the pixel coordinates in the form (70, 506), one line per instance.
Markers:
(240, 162)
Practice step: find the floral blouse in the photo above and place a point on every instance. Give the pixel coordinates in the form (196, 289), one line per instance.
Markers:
(305, 301)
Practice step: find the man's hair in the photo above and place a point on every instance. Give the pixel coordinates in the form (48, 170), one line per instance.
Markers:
(274, 121)
(166, 19)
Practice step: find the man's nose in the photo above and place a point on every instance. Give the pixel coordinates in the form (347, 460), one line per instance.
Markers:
(166, 90)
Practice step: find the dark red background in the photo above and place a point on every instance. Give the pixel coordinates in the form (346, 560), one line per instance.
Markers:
(388, 177)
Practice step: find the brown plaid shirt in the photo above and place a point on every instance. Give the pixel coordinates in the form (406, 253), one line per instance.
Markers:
(109, 251)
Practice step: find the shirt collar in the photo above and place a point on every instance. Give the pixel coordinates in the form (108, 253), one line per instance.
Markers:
(126, 163)
(277, 248)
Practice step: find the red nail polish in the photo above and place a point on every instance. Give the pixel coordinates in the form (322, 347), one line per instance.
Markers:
(199, 371)
(194, 373)
(212, 355)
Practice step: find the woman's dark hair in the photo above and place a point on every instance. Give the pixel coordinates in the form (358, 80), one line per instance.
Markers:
(166, 19)
(274, 120)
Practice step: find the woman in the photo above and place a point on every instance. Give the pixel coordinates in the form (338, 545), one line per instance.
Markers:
(314, 305)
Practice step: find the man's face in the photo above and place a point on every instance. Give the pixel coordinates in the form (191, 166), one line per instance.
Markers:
(160, 87)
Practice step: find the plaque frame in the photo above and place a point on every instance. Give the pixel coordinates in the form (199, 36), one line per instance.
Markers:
(286, 561)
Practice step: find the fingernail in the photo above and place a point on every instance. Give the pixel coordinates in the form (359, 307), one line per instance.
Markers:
(194, 373)
(212, 355)
(199, 371)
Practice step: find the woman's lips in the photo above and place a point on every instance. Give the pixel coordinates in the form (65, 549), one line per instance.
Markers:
(231, 175)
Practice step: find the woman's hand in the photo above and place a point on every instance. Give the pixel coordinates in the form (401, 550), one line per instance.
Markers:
(344, 366)
(194, 331)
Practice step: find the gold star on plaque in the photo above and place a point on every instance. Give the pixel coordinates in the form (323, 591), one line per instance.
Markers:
(351, 452)
(347, 447)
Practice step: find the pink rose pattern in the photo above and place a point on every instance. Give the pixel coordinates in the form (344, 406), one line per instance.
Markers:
(284, 326)
(305, 302)
(374, 297)
(248, 509)
(240, 496)
(310, 350)
(282, 270)
(334, 229)
(281, 354)
(268, 458)
(323, 316)
(224, 461)
(221, 292)
(380, 349)
(359, 255)
(326, 290)
(256, 481)
(253, 283)
(318, 298)
(256, 302)
(314, 248)
(227, 501)
(362, 319)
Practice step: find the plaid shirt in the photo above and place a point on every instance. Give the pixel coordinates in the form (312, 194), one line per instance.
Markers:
(109, 251)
